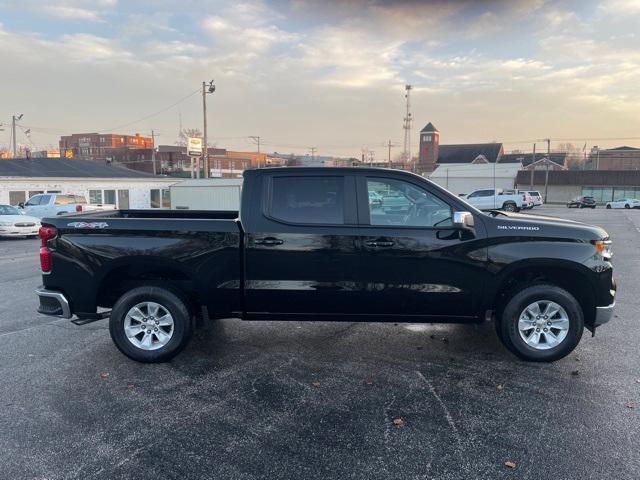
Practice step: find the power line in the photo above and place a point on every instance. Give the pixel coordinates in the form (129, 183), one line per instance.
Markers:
(146, 117)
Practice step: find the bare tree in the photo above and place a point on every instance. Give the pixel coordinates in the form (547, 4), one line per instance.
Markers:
(186, 133)
(575, 156)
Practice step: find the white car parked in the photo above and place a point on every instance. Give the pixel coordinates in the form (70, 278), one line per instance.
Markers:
(498, 199)
(536, 197)
(52, 204)
(15, 224)
(624, 203)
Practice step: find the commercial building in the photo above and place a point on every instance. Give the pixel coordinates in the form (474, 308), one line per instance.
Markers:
(223, 163)
(98, 182)
(101, 146)
(563, 185)
(465, 178)
(619, 158)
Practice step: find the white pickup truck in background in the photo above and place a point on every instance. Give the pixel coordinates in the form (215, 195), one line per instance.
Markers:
(52, 204)
(497, 199)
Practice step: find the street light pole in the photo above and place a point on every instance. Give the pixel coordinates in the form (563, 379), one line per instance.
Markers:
(206, 88)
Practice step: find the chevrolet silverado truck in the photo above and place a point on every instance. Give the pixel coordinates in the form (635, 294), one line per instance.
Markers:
(307, 244)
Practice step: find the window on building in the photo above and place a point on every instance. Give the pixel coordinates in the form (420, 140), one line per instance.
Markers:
(17, 197)
(155, 198)
(54, 191)
(317, 200)
(110, 197)
(123, 199)
(426, 138)
(95, 196)
(35, 192)
(166, 198)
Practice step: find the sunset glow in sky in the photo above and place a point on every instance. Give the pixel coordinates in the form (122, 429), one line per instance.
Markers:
(330, 74)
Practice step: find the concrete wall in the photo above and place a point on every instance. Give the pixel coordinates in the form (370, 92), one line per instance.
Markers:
(139, 189)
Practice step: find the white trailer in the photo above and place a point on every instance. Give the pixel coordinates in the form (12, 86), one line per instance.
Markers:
(221, 194)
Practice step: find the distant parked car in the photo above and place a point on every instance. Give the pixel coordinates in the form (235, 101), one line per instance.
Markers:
(497, 199)
(375, 199)
(51, 204)
(624, 203)
(582, 202)
(536, 197)
(15, 224)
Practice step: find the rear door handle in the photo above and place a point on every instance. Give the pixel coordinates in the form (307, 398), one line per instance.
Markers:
(380, 243)
(268, 241)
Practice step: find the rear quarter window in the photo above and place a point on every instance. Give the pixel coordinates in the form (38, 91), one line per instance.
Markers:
(65, 200)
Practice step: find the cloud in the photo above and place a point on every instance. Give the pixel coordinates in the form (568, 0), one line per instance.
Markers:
(72, 10)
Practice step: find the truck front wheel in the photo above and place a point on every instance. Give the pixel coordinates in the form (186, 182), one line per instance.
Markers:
(541, 323)
(150, 324)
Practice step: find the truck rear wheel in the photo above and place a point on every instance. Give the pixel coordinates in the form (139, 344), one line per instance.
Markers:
(150, 324)
(510, 207)
(541, 323)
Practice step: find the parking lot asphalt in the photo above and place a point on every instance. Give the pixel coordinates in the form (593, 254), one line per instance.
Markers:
(299, 400)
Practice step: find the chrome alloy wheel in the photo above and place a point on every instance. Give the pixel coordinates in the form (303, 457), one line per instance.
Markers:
(543, 325)
(148, 326)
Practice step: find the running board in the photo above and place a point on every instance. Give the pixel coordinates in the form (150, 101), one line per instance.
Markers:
(89, 318)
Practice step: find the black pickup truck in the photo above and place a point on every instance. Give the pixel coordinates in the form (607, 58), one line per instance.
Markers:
(310, 244)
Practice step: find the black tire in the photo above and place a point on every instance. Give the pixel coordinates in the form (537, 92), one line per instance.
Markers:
(627, 206)
(182, 323)
(509, 207)
(608, 207)
(508, 326)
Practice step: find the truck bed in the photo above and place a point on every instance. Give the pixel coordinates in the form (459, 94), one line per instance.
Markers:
(161, 213)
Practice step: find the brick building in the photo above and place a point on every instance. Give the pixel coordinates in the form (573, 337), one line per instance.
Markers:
(432, 154)
(101, 146)
(619, 158)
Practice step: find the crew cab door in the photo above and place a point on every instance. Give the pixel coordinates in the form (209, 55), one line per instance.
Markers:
(38, 206)
(482, 199)
(417, 264)
(301, 245)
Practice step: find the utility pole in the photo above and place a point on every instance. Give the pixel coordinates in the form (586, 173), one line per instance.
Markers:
(546, 174)
(14, 119)
(206, 88)
(407, 124)
(256, 138)
(533, 160)
(153, 151)
(313, 153)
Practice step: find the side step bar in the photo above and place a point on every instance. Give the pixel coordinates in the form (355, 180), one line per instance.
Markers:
(84, 318)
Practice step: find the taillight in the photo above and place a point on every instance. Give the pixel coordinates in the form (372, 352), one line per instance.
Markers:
(46, 234)
(78, 208)
(45, 260)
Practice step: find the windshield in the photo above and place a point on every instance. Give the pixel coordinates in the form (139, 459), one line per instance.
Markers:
(8, 210)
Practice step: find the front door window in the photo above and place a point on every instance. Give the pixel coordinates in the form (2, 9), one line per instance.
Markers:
(395, 202)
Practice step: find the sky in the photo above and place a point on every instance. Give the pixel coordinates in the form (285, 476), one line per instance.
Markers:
(324, 74)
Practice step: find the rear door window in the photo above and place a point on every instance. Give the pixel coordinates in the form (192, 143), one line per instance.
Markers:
(308, 200)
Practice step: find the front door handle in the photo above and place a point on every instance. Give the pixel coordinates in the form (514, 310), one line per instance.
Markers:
(268, 241)
(380, 243)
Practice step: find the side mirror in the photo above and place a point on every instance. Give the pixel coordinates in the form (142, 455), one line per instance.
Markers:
(21, 205)
(463, 220)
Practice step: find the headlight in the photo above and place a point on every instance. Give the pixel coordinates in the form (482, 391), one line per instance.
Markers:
(6, 224)
(603, 248)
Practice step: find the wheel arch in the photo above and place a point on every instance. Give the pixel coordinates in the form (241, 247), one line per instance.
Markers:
(570, 276)
(121, 275)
